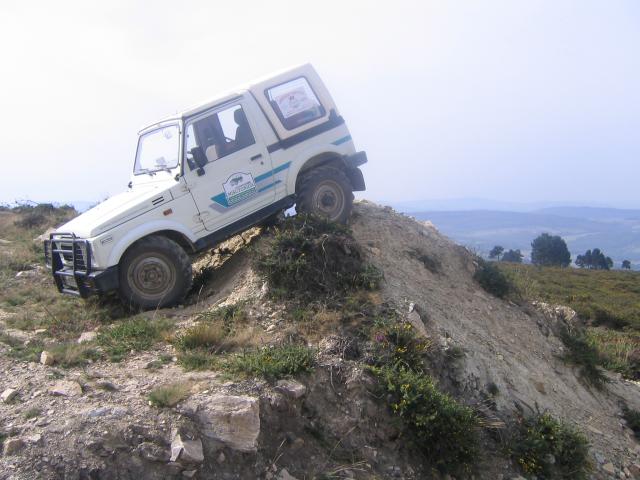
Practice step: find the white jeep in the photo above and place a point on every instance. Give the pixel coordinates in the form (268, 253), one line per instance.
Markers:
(205, 175)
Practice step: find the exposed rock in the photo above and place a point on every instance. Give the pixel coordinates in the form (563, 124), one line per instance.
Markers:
(34, 439)
(291, 388)
(285, 475)
(609, 468)
(46, 358)
(416, 322)
(66, 388)
(189, 473)
(87, 337)
(26, 273)
(186, 451)
(233, 420)
(8, 395)
(153, 452)
(12, 446)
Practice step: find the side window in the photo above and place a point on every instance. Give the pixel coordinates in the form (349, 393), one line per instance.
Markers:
(295, 103)
(218, 135)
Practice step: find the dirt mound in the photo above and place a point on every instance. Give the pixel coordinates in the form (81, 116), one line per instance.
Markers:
(502, 359)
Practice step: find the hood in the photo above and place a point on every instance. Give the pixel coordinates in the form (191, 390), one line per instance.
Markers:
(118, 209)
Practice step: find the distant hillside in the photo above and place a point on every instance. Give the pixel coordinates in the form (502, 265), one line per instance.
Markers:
(615, 231)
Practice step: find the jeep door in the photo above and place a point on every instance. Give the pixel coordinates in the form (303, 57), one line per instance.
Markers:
(235, 178)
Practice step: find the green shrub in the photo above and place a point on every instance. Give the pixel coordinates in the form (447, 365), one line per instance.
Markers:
(272, 362)
(580, 352)
(430, 263)
(445, 429)
(396, 344)
(309, 256)
(632, 417)
(136, 334)
(550, 449)
(169, 395)
(492, 279)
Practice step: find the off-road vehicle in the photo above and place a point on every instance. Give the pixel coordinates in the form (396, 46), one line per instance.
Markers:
(205, 175)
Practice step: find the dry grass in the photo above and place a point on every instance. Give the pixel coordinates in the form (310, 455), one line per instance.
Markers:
(170, 395)
(72, 354)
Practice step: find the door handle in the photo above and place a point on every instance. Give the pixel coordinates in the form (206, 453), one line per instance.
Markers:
(256, 157)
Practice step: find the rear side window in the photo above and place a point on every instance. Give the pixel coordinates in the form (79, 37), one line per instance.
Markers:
(295, 103)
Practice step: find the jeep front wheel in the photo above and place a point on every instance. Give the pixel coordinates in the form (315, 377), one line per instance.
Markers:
(326, 192)
(155, 272)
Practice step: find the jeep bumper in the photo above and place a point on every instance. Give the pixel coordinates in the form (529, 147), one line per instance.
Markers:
(69, 259)
(356, 178)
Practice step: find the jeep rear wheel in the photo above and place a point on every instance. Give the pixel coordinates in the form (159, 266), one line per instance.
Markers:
(326, 192)
(155, 272)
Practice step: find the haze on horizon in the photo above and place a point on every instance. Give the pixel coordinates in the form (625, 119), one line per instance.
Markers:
(528, 101)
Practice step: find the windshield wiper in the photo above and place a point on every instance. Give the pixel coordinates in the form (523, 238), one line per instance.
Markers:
(147, 170)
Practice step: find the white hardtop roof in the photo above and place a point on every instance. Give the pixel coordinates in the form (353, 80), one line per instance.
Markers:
(225, 96)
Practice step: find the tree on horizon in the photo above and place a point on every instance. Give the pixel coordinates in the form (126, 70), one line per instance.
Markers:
(496, 252)
(513, 256)
(550, 251)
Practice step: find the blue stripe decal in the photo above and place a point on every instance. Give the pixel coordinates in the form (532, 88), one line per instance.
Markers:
(342, 140)
(221, 198)
(270, 173)
(271, 185)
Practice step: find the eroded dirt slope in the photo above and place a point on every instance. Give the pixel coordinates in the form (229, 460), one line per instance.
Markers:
(100, 425)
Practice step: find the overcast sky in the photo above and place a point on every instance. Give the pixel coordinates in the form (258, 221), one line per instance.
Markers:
(521, 101)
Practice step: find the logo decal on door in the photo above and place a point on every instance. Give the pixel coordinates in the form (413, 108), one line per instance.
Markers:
(238, 187)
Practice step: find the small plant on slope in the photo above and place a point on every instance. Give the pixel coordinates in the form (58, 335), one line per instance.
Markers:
(169, 395)
(550, 449)
(492, 279)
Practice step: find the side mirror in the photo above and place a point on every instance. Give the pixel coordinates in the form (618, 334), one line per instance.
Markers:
(200, 158)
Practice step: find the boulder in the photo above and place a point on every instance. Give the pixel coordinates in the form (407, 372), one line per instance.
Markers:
(291, 388)
(46, 358)
(285, 475)
(186, 451)
(8, 395)
(87, 337)
(232, 420)
(12, 446)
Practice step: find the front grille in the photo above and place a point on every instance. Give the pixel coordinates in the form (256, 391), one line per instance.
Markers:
(70, 260)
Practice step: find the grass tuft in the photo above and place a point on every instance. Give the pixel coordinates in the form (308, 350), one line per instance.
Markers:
(169, 395)
(272, 362)
(137, 334)
(33, 412)
(24, 351)
(73, 354)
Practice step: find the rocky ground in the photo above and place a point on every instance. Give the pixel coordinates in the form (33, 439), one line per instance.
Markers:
(96, 422)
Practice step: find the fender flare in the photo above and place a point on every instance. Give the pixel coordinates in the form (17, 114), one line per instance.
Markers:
(316, 156)
(145, 230)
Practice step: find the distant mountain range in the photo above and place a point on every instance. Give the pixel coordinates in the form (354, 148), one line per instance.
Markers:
(615, 231)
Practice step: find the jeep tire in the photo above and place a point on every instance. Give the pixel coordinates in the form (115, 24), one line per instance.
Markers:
(326, 192)
(155, 272)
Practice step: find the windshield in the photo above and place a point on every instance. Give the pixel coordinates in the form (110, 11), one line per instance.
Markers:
(158, 150)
